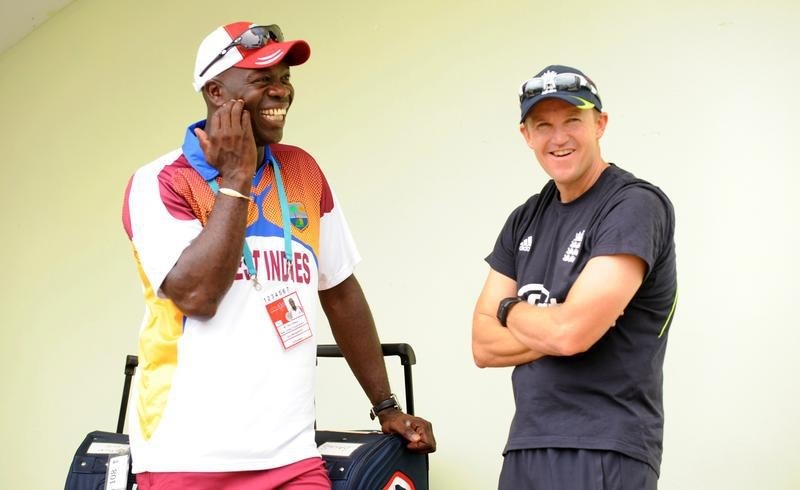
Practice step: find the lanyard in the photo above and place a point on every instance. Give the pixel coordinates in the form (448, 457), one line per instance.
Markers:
(287, 224)
(247, 255)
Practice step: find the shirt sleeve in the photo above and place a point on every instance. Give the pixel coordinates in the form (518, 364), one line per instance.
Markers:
(338, 252)
(503, 258)
(637, 223)
(160, 223)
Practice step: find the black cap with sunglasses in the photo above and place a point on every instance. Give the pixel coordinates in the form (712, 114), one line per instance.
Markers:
(245, 45)
(559, 82)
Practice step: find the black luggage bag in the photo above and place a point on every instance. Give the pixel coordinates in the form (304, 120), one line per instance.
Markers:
(371, 460)
(90, 465)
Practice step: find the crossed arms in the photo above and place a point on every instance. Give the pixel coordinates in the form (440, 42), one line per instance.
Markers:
(599, 296)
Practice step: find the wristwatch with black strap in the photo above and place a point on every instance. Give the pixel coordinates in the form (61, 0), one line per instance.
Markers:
(505, 307)
(390, 402)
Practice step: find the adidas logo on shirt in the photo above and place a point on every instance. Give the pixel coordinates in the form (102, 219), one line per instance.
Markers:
(525, 245)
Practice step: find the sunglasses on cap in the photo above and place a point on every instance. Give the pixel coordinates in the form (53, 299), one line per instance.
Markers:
(550, 82)
(253, 38)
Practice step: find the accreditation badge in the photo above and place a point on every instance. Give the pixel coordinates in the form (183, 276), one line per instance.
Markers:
(287, 315)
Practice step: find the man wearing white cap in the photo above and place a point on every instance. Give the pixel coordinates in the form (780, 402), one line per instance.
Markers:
(579, 299)
(225, 230)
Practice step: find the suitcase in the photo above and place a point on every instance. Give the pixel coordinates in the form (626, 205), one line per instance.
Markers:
(371, 460)
(102, 450)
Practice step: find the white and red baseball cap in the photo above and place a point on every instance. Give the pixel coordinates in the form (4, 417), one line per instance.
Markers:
(245, 45)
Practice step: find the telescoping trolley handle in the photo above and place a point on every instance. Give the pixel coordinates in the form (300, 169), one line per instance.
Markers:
(130, 367)
(403, 351)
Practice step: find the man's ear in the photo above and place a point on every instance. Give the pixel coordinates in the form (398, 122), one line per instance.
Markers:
(523, 130)
(214, 93)
(602, 122)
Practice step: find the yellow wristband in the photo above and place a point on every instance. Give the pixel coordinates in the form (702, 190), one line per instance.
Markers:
(233, 193)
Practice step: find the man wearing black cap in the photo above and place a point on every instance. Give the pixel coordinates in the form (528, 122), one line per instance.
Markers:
(580, 296)
(225, 230)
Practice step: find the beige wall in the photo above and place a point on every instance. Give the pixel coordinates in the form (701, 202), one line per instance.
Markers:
(410, 109)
